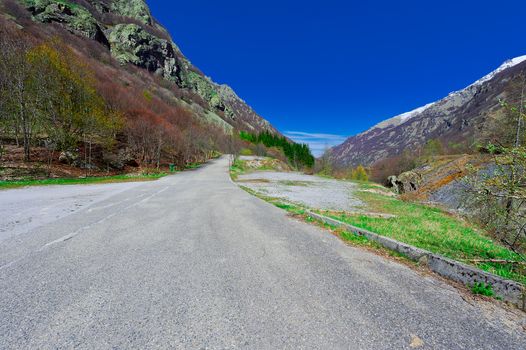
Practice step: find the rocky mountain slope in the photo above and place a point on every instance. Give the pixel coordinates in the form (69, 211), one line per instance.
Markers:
(128, 30)
(458, 119)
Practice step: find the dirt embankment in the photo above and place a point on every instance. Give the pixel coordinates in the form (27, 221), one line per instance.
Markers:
(439, 180)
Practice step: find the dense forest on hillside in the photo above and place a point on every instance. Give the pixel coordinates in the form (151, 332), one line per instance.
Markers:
(298, 155)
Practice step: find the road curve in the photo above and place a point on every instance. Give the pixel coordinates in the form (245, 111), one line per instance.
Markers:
(193, 262)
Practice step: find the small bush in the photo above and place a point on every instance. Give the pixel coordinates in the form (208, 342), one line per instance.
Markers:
(483, 289)
(359, 174)
(246, 152)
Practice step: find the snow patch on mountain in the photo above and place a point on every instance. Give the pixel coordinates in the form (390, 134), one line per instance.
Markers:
(508, 64)
(402, 118)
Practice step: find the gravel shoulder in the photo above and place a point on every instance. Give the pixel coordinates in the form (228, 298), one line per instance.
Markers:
(307, 190)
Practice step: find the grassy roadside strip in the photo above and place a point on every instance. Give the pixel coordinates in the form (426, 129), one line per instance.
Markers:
(154, 175)
(415, 224)
(363, 242)
(437, 231)
(4, 185)
(300, 212)
(237, 168)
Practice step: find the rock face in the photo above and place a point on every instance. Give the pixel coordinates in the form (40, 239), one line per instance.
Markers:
(127, 28)
(236, 106)
(443, 179)
(76, 19)
(458, 118)
(130, 43)
(136, 9)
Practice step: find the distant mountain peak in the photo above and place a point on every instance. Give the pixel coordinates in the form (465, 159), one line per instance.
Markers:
(506, 65)
(400, 119)
(459, 116)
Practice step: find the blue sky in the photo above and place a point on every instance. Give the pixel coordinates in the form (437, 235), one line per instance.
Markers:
(333, 68)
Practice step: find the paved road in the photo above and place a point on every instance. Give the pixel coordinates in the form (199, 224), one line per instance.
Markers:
(193, 262)
(24, 209)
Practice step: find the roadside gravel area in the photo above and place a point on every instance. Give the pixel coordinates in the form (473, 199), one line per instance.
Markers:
(311, 191)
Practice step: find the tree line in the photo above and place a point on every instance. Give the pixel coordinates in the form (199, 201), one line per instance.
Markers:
(48, 93)
(298, 155)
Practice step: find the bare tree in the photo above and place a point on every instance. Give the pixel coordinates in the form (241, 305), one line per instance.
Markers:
(17, 93)
(498, 193)
(324, 163)
(520, 116)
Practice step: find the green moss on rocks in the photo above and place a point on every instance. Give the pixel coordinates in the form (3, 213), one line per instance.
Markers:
(130, 43)
(145, 44)
(136, 9)
(205, 88)
(74, 17)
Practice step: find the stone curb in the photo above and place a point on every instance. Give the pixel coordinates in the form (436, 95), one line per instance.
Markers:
(509, 291)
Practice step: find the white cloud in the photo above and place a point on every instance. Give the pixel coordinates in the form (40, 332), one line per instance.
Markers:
(318, 143)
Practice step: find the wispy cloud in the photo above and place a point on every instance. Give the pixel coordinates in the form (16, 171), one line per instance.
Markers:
(318, 143)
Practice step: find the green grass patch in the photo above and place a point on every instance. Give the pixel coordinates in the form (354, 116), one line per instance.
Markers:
(365, 185)
(80, 181)
(254, 181)
(246, 152)
(291, 208)
(349, 237)
(434, 230)
(237, 168)
(193, 166)
(483, 289)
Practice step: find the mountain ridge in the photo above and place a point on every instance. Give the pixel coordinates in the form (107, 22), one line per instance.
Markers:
(458, 117)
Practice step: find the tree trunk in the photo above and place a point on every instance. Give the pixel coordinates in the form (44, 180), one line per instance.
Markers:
(89, 158)
(27, 148)
(521, 109)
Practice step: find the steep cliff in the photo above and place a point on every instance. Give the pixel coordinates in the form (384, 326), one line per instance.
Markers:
(133, 36)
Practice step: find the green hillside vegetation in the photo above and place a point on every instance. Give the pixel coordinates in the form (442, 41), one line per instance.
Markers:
(4, 185)
(299, 155)
(49, 93)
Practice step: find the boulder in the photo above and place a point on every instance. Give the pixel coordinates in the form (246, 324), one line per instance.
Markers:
(409, 181)
(68, 157)
(392, 183)
(120, 159)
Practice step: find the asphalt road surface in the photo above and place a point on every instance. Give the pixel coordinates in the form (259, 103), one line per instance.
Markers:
(193, 262)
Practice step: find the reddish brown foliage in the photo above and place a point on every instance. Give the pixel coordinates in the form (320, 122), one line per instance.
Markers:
(158, 128)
